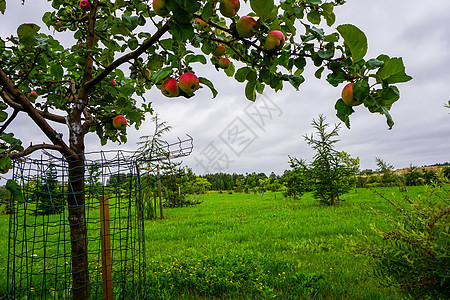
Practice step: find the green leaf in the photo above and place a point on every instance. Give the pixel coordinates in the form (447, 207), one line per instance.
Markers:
(27, 30)
(5, 162)
(250, 90)
(328, 13)
(399, 78)
(262, 8)
(361, 89)
(331, 38)
(133, 43)
(101, 25)
(355, 40)
(209, 84)
(161, 74)
(390, 95)
(230, 70)
(319, 33)
(328, 7)
(393, 71)
(250, 87)
(127, 90)
(14, 189)
(26, 33)
(389, 119)
(374, 63)
(207, 12)
(9, 139)
(343, 111)
(2, 6)
(3, 116)
(57, 71)
(325, 54)
(336, 77)
(314, 16)
(195, 58)
(318, 73)
(241, 74)
(296, 80)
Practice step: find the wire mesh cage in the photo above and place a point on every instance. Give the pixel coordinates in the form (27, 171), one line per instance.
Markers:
(40, 261)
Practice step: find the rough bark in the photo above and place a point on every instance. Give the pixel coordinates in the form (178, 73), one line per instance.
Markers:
(78, 230)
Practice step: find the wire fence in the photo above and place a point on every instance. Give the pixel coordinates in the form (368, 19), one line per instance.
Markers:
(39, 250)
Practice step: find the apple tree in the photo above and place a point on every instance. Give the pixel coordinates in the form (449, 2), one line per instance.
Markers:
(120, 49)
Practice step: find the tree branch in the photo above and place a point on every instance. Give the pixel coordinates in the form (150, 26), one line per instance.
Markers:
(127, 57)
(33, 113)
(45, 114)
(33, 148)
(6, 124)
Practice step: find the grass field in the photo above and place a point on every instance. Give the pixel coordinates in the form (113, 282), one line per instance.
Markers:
(261, 247)
(243, 246)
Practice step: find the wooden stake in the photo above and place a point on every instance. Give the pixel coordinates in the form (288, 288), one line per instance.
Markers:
(105, 235)
(159, 193)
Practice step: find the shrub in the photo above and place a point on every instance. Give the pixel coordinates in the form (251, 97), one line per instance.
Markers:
(413, 254)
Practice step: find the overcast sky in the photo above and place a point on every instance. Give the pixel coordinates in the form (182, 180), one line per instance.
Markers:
(273, 127)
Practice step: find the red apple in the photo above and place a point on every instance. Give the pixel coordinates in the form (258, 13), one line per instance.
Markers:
(347, 95)
(120, 122)
(275, 40)
(170, 88)
(246, 26)
(188, 82)
(113, 82)
(85, 5)
(219, 50)
(224, 62)
(32, 95)
(159, 6)
(202, 24)
(229, 8)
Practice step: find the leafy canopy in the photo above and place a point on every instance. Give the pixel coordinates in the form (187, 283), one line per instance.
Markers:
(126, 41)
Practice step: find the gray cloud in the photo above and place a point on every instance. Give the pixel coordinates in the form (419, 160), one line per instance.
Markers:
(418, 33)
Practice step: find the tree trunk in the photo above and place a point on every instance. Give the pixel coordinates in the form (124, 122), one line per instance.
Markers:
(78, 230)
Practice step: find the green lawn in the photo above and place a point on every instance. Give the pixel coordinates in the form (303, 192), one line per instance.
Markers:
(296, 249)
(242, 246)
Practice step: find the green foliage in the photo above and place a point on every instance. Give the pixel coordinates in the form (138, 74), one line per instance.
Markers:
(355, 40)
(297, 180)
(413, 254)
(14, 189)
(114, 34)
(49, 195)
(5, 199)
(388, 177)
(330, 169)
(223, 276)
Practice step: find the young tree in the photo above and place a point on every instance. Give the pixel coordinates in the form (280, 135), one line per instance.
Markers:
(49, 196)
(86, 88)
(331, 169)
(201, 185)
(387, 172)
(240, 185)
(264, 185)
(297, 180)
